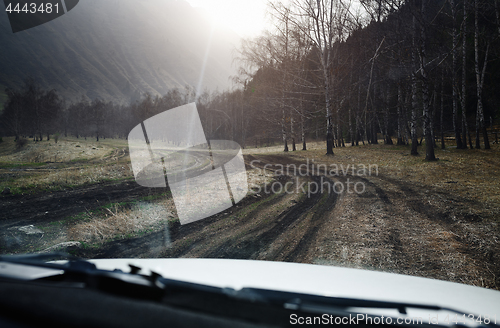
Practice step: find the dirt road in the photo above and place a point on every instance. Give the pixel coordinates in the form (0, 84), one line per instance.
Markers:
(393, 225)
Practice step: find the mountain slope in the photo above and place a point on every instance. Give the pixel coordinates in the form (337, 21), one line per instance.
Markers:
(117, 48)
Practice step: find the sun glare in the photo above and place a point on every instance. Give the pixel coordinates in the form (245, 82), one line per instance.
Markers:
(245, 17)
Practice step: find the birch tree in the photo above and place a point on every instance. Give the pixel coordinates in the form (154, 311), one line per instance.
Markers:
(429, 141)
(323, 22)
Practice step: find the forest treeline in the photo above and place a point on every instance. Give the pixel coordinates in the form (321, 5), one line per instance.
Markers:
(405, 69)
(33, 112)
(411, 70)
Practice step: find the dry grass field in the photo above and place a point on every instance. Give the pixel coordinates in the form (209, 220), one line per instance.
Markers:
(69, 163)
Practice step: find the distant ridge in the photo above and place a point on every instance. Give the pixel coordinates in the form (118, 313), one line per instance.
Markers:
(117, 50)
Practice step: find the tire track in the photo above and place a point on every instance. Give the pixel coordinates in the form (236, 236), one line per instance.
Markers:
(243, 234)
(260, 238)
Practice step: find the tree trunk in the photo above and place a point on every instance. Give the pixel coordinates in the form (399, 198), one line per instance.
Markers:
(405, 115)
(358, 119)
(413, 122)
(454, 75)
(497, 14)
(465, 125)
(400, 113)
(340, 136)
(351, 134)
(441, 125)
(429, 141)
(349, 113)
(329, 136)
(387, 138)
(432, 113)
(302, 127)
(283, 130)
(480, 124)
(358, 129)
(373, 129)
(414, 102)
(303, 134)
(329, 123)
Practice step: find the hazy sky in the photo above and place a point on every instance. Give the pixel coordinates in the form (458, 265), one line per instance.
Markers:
(245, 17)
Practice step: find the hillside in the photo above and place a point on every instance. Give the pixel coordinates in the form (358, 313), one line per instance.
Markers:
(117, 50)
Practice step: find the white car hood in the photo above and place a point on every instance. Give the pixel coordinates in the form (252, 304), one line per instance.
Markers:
(321, 280)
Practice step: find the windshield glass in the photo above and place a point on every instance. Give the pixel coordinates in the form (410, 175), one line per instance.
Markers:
(359, 134)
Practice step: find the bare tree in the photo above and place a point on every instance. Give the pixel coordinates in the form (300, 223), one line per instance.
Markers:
(324, 23)
(414, 100)
(480, 124)
(422, 51)
(463, 100)
(454, 70)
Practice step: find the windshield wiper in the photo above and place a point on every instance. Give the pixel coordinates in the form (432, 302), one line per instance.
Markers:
(81, 271)
(197, 296)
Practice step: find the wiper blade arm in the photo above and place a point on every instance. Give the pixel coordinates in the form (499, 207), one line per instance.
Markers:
(77, 270)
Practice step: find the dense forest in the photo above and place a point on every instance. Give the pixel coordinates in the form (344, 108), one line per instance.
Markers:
(412, 71)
